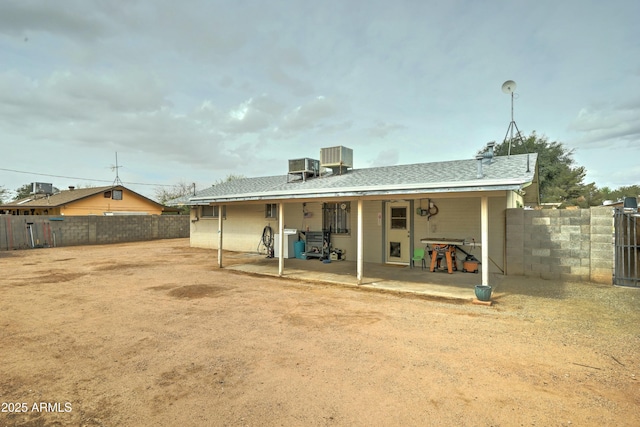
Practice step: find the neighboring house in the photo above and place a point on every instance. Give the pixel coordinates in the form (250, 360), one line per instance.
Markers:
(110, 200)
(376, 214)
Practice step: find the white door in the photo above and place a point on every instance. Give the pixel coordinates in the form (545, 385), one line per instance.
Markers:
(398, 233)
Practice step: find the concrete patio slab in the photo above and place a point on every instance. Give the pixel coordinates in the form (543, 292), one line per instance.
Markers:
(458, 286)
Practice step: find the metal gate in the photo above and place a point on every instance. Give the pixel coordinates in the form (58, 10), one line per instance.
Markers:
(627, 253)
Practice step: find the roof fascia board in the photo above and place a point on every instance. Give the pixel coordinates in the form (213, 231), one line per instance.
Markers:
(351, 194)
(441, 186)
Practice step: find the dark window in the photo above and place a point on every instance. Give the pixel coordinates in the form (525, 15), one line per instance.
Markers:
(399, 218)
(107, 194)
(271, 210)
(212, 211)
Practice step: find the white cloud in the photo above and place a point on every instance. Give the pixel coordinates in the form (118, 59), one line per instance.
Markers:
(71, 19)
(252, 115)
(382, 129)
(600, 127)
(387, 157)
(309, 115)
(213, 87)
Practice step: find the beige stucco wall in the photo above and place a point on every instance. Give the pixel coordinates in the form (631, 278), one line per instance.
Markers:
(242, 228)
(457, 218)
(460, 219)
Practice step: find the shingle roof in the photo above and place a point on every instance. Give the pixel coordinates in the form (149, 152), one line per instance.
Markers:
(64, 197)
(501, 173)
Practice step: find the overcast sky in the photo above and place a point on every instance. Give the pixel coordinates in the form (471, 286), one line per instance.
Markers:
(193, 91)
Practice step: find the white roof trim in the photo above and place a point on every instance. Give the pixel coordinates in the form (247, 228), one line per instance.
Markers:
(475, 185)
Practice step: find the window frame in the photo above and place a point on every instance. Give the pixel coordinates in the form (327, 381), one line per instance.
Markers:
(398, 222)
(215, 211)
(271, 211)
(337, 218)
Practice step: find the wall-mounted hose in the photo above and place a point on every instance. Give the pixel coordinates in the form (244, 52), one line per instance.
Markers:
(432, 210)
(267, 240)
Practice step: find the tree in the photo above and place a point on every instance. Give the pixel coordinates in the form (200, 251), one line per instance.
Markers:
(181, 189)
(229, 177)
(621, 193)
(559, 180)
(23, 191)
(4, 193)
(591, 196)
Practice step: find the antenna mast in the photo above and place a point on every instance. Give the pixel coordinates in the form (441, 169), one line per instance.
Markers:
(509, 87)
(116, 167)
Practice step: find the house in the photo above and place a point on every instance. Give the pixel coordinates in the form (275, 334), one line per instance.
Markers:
(109, 200)
(377, 215)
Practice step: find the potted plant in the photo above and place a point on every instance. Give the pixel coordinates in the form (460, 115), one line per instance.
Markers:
(483, 292)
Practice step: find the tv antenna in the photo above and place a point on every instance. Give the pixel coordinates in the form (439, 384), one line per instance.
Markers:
(116, 167)
(509, 87)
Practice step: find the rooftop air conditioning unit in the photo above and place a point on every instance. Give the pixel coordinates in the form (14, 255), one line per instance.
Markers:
(41, 188)
(305, 165)
(336, 158)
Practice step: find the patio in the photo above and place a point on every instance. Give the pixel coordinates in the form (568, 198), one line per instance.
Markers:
(458, 286)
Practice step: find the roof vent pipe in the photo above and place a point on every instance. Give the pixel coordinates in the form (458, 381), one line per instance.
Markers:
(488, 155)
(479, 158)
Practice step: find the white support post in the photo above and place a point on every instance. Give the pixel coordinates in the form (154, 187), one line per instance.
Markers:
(360, 245)
(281, 242)
(484, 238)
(220, 211)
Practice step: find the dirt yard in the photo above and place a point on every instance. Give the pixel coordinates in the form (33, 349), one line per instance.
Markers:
(154, 334)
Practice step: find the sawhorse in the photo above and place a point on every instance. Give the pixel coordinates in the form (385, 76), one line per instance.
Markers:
(446, 251)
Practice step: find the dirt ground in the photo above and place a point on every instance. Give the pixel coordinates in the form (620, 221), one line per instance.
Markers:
(153, 333)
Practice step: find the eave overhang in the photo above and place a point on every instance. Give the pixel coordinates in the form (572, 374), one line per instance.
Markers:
(403, 189)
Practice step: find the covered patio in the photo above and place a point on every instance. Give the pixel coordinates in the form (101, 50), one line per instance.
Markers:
(456, 287)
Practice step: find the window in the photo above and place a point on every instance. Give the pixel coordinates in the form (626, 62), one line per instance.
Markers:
(117, 195)
(399, 218)
(107, 194)
(271, 210)
(336, 217)
(212, 212)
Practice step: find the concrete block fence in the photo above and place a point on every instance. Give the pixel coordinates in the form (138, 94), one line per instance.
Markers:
(561, 244)
(550, 244)
(22, 232)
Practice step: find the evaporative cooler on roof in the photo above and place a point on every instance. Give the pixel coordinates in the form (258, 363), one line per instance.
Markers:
(338, 159)
(41, 188)
(304, 167)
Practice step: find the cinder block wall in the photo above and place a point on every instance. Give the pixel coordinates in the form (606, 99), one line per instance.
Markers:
(21, 232)
(561, 244)
(602, 244)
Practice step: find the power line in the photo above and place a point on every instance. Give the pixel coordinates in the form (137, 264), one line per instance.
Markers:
(84, 179)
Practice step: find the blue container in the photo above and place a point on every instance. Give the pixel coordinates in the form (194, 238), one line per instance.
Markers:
(483, 293)
(298, 249)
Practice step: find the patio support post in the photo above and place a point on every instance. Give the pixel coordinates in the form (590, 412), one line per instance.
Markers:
(281, 241)
(484, 238)
(360, 246)
(220, 210)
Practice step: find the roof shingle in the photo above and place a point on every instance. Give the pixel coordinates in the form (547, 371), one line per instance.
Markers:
(502, 172)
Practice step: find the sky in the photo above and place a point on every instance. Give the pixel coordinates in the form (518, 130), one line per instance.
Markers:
(196, 91)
